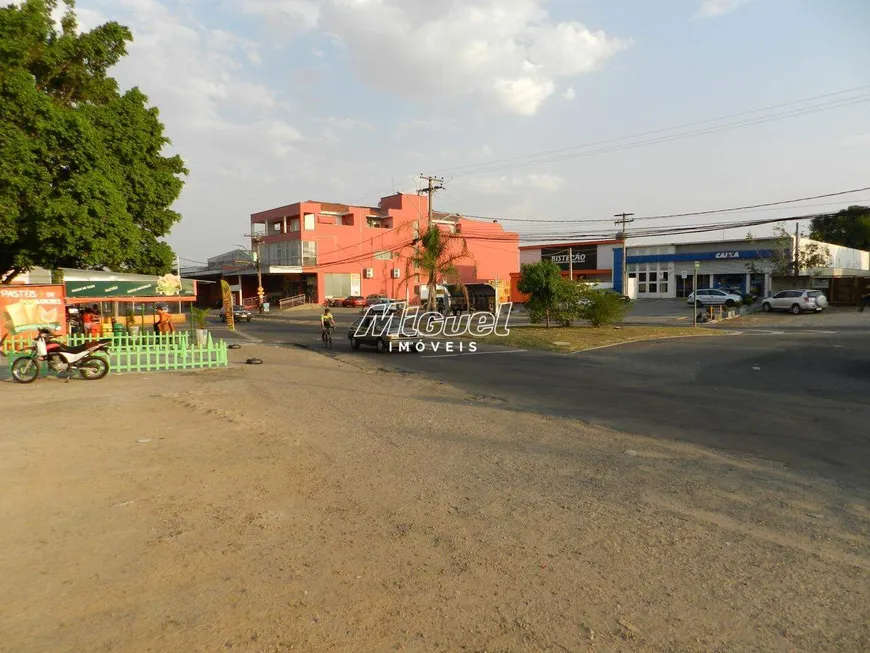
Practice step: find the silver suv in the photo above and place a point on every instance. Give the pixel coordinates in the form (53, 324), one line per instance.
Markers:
(796, 301)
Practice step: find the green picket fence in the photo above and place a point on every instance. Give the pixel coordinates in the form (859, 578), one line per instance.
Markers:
(147, 352)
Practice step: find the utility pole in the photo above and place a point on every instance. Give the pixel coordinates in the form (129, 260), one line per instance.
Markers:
(431, 190)
(256, 241)
(571, 264)
(623, 236)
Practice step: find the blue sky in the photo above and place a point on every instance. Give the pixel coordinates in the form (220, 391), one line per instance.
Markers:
(275, 101)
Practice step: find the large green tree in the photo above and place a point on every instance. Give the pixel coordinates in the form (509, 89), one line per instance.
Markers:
(849, 228)
(83, 178)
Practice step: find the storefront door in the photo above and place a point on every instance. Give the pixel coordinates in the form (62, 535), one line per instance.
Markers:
(685, 286)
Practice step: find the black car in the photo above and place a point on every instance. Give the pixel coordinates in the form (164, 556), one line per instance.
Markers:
(375, 329)
(239, 313)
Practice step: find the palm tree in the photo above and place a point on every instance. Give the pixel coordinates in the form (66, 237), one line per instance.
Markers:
(435, 254)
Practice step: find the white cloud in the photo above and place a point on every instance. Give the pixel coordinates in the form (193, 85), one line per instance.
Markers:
(524, 95)
(569, 94)
(714, 8)
(507, 51)
(506, 185)
(855, 140)
(217, 116)
(348, 123)
(303, 14)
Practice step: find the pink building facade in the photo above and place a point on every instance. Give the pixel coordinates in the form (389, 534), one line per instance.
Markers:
(326, 250)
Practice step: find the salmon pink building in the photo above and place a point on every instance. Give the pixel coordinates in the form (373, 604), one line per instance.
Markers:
(327, 250)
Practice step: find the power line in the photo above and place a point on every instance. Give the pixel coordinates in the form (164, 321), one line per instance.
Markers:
(656, 131)
(666, 139)
(578, 237)
(682, 215)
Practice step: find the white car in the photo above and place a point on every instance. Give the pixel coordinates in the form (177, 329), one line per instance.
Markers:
(796, 301)
(713, 297)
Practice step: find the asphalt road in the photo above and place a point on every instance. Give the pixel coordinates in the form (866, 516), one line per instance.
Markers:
(782, 391)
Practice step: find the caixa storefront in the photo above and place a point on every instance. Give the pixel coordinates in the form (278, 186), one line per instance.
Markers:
(667, 271)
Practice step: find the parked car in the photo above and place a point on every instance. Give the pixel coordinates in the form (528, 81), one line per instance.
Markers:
(371, 300)
(372, 330)
(354, 301)
(239, 313)
(714, 297)
(796, 301)
(335, 302)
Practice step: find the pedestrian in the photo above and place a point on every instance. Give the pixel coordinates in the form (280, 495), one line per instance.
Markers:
(165, 324)
(865, 301)
(88, 321)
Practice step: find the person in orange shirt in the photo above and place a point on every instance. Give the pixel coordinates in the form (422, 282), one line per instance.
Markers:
(164, 321)
(88, 321)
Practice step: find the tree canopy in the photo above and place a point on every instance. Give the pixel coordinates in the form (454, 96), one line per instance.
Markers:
(549, 293)
(849, 228)
(83, 179)
(781, 261)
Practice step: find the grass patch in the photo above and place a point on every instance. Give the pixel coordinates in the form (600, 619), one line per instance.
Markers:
(583, 337)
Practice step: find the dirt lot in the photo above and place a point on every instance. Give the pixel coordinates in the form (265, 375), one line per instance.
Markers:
(309, 504)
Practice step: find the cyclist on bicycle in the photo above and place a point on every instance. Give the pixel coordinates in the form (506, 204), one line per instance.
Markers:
(326, 322)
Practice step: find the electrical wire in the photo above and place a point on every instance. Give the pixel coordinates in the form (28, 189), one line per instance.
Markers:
(735, 209)
(498, 164)
(668, 139)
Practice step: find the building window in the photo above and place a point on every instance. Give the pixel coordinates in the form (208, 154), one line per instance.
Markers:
(309, 253)
(309, 222)
(293, 225)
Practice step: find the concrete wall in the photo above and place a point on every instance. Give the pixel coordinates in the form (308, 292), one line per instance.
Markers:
(843, 257)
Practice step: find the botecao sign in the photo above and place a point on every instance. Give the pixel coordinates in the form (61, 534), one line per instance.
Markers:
(24, 310)
(578, 258)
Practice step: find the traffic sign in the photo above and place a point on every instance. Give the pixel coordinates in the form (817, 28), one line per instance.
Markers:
(697, 265)
(684, 274)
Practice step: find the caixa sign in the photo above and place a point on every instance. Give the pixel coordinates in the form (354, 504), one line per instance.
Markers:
(721, 255)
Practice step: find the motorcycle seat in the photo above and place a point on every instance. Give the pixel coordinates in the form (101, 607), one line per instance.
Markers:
(77, 349)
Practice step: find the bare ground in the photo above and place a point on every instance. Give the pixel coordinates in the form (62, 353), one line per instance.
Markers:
(311, 504)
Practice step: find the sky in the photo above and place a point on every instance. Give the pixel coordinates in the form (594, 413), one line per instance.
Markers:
(272, 102)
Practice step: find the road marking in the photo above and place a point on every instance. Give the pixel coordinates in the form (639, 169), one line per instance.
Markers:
(476, 353)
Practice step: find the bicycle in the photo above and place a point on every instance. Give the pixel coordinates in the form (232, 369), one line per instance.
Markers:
(326, 336)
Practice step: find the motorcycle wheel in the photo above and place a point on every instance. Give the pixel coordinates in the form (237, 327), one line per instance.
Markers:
(25, 370)
(94, 369)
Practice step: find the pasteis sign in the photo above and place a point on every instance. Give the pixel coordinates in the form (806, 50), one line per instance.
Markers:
(26, 309)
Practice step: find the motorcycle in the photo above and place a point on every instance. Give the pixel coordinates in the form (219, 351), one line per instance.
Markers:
(62, 359)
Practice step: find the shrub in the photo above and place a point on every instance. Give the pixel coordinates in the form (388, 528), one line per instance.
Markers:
(553, 298)
(602, 307)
